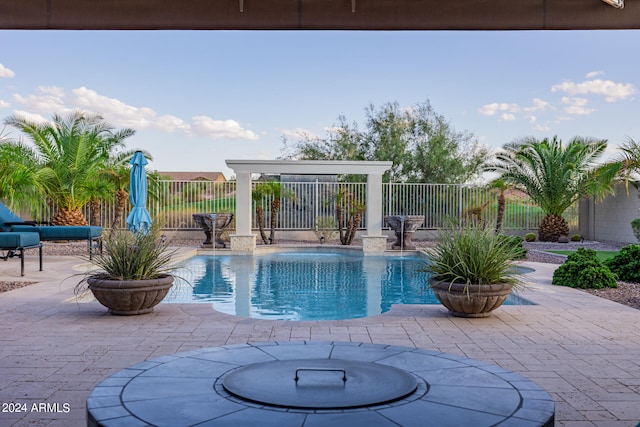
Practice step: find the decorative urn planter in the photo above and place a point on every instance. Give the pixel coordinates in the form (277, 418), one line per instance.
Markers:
(213, 225)
(470, 300)
(404, 226)
(128, 297)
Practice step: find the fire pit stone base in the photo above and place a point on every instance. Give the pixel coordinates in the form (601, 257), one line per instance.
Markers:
(188, 389)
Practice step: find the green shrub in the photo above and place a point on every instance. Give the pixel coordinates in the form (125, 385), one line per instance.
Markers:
(583, 269)
(516, 243)
(530, 237)
(626, 264)
(576, 238)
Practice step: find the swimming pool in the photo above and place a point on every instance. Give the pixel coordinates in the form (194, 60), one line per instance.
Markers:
(305, 285)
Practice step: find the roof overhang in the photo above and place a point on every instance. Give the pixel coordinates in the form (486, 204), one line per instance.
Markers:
(317, 14)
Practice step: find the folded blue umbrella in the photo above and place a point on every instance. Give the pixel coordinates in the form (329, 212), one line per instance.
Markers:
(139, 220)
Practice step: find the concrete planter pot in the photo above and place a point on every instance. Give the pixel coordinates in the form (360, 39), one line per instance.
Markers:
(470, 300)
(128, 297)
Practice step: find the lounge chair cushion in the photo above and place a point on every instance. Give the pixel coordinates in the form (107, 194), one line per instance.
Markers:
(9, 221)
(62, 232)
(12, 241)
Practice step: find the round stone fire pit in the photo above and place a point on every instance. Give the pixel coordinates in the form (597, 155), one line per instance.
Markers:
(306, 383)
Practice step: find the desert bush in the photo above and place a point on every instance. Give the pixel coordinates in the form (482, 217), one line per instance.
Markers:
(473, 254)
(626, 264)
(530, 237)
(583, 269)
(576, 238)
(516, 243)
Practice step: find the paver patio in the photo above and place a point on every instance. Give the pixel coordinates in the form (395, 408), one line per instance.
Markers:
(584, 350)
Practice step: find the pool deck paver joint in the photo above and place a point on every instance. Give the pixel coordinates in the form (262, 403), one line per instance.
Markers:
(583, 350)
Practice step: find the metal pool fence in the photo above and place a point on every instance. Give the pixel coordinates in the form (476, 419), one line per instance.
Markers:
(312, 204)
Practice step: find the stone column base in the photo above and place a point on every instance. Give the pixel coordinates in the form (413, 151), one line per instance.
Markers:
(372, 245)
(243, 242)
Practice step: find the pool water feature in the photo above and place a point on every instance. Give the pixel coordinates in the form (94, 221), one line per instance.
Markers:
(316, 285)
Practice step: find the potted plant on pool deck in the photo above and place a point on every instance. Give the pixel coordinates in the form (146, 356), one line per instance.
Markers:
(473, 269)
(133, 274)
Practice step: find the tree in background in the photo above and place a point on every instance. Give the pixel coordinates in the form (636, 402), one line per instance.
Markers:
(67, 155)
(421, 144)
(555, 176)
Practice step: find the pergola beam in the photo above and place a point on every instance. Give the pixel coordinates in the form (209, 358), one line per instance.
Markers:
(317, 15)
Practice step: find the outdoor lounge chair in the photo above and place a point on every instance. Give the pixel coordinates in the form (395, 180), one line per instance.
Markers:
(13, 242)
(9, 221)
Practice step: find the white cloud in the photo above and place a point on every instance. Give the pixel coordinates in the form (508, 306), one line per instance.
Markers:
(37, 118)
(538, 105)
(610, 90)
(298, 133)
(47, 99)
(542, 128)
(114, 110)
(4, 104)
(495, 107)
(574, 101)
(217, 129)
(508, 117)
(576, 106)
(168, 123)
(593, 74)
(533, 119)
(6, 72)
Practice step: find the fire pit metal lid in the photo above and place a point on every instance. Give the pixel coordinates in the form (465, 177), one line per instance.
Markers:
(319, 383)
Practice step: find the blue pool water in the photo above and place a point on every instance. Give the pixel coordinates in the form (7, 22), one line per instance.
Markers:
(305, 285)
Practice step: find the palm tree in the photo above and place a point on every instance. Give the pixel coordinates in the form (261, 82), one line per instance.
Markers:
(501, 186)
(70, 152)
(630, 163)
(260, 191)
(275, 191)
(555, 176)
(278, 192)
(18, 173)
(349, 202)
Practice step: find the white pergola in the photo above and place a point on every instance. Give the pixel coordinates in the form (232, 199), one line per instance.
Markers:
(245, 241)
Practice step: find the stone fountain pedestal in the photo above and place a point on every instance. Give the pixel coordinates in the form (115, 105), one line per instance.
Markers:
(213, 224)
(404, 226)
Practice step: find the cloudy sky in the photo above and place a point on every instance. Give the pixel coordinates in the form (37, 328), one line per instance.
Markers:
(197, 98)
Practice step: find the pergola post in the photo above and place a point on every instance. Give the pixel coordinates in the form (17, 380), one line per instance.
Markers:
(243, 240)
(374, 241)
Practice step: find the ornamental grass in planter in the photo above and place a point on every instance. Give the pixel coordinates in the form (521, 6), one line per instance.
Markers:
(133, 274)
(472, 269)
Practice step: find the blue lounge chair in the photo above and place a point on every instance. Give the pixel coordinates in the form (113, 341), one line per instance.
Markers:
(10, 222)
(13, 242)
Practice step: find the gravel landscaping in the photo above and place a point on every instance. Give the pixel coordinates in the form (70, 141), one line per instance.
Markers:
(626, 293)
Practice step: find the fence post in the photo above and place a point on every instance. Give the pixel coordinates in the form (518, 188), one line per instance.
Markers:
(460, 210)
